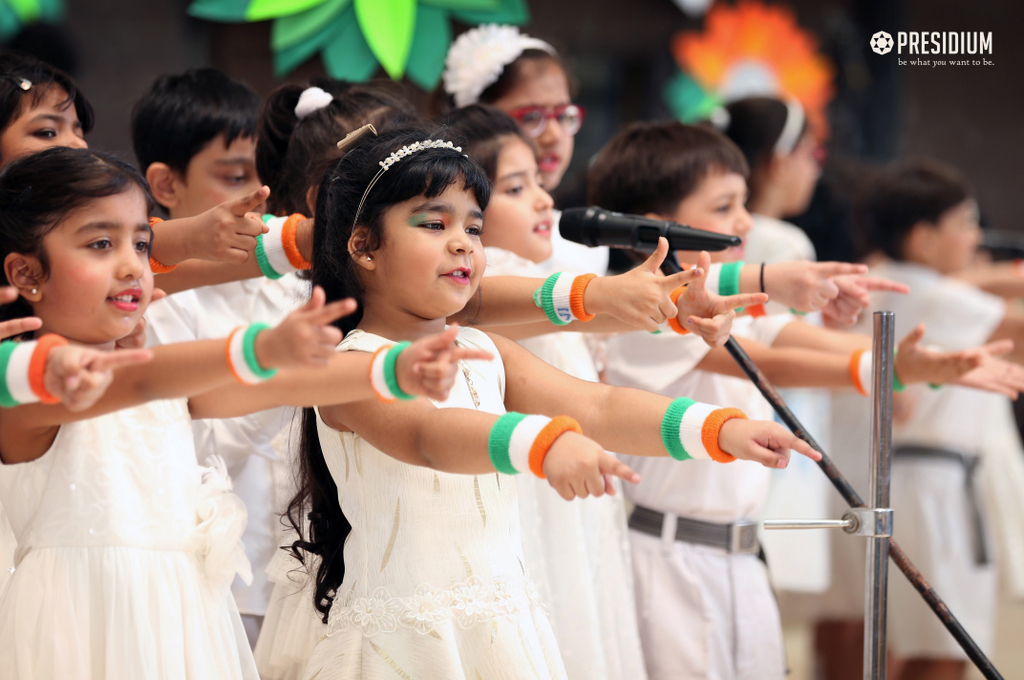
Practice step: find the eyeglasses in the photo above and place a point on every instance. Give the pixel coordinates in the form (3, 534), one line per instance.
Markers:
(534, 119)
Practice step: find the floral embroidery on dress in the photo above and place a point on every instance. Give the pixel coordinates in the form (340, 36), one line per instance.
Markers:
(468, 604)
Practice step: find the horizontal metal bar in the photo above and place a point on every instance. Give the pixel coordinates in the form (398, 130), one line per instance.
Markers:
(807, 523)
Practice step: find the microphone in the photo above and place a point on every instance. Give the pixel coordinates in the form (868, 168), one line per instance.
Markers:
(595, 226)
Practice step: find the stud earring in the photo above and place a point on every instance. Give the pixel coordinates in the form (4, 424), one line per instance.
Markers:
(35, 291)
(369, 257)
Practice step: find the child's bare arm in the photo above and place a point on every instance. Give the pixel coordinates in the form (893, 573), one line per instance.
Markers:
(807, 336)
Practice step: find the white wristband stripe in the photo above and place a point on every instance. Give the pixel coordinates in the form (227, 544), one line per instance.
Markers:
(560, 294)
(690, 428)
(377, 381)
(864, 371)
(17, 373)
(273, 246)
(522, 439)
(714, 276)
(237, 355)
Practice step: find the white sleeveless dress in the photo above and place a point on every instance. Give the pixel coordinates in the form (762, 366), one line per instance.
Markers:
(125, 551)
(435, 586)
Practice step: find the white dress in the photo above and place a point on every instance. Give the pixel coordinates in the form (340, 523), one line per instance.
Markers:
(125, 550)
(578, 551)
(435, 584)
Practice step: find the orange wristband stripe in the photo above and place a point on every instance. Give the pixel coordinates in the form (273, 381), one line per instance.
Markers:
(153, 264)
(712, 427)
(855, 372)
(546, 438)
(757, 310)
(291, 248)
(673, 323)
(37, 367)
(579, 286)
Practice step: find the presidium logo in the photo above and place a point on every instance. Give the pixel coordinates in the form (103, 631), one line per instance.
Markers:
(952, 47)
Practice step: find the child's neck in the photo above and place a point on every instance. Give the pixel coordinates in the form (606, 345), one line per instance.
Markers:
(394, 323)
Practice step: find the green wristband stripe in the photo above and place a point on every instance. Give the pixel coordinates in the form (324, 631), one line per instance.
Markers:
(249, 351)
(6, 398)
(897, 386)
(267, 217)
(390, 376)
(670, 428)
(548, 298)
(729, 278)
(499, 440)
(261, 259)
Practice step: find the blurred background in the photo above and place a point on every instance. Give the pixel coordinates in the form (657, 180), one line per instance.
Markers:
(628, 63)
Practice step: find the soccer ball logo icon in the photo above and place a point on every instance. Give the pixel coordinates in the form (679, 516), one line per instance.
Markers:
(881, 42)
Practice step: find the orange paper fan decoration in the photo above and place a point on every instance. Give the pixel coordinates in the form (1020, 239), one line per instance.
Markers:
(757, 49)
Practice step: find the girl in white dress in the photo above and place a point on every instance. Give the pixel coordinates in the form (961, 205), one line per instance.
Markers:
(421, 572)
(125, 546)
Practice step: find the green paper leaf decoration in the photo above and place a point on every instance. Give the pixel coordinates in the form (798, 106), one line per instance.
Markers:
(261, 10)
(388, 26)
(289, 59)
(290, 30)
(430, 46)
(688, 100)
(16, 14)
(230, 11)
(349, 57)
(27, 10)
(513, 12)
(485, 5)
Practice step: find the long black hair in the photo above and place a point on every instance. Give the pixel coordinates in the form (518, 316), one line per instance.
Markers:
(429, 173)
(37, 192)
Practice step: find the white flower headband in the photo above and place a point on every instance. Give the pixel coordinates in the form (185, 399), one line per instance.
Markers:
(477, 57)
(385, 164)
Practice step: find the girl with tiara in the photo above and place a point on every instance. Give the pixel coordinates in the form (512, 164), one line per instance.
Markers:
(421, 570)
(125, 546)
(524, 77)
(578, 553)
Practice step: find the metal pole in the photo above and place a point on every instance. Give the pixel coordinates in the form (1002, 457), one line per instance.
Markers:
(878, 494)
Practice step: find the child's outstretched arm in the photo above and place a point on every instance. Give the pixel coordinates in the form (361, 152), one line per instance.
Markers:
(224, 233)
(426, 367)
(638, 422)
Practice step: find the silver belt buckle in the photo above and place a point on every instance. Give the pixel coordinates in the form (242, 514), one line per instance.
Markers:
(743, 538)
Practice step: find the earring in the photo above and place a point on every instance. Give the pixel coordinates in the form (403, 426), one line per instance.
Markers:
(35, 291)
(369, 257)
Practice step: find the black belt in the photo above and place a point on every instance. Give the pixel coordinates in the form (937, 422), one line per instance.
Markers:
(737, 538)
(970, 466)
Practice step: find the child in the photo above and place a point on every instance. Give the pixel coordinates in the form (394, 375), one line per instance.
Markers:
(123, 555)
(923, 216)
(195, 138)
(693, 547)
(40, 106)
(524, 77)
(430, 580)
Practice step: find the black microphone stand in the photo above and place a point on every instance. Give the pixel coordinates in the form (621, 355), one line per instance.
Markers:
(671, 266)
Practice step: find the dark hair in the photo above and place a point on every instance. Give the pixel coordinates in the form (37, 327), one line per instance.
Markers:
(14, 67)
(512, 74)
(755, 125)
(423, 173)
(651, 167)
(482, 132)
(907, 193)
(292, 155)
(39, 191)
(181, 114)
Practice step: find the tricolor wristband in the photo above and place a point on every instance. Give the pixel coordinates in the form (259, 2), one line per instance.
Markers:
(860, 373)
(23, 371)
(674, 323)
(519, 442)
(157, 267)
(276, 251)
(383, 378)
(241, 355)
(690, 429)
(561, 298)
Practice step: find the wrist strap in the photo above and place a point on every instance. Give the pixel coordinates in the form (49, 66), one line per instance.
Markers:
(519, 442)
(689, 430)
(241, 355)
(153, 264)
(554, 298)
(860, 371)
(674, 322)
(729, 278)
(383, 378)
(579, 287)
(276, 251)
(23, 371)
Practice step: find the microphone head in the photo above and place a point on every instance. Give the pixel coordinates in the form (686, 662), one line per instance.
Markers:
(572, 224)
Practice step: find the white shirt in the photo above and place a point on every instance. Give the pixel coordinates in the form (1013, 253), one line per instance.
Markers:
(245, 443)
(665, 363)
